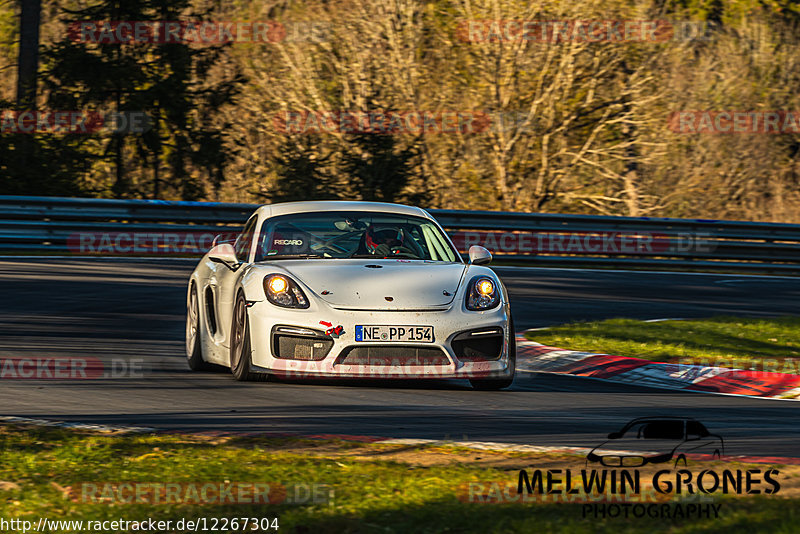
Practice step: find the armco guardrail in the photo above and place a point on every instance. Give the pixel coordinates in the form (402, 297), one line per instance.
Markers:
(37, 225)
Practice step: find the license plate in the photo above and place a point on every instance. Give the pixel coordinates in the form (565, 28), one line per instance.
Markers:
(415, 334)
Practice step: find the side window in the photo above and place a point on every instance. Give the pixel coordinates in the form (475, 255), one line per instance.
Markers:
(695, 430)
(671, 430)
(245, 239)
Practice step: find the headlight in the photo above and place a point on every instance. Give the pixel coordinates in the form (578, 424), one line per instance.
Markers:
(482, 294)
(284, 292)
(485, 287)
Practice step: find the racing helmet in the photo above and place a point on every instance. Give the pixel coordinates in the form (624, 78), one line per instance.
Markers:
(391, 236)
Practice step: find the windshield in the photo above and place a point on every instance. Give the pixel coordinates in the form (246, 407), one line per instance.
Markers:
(341, 234)
(665, 430)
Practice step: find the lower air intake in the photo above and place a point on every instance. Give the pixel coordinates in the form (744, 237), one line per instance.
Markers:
(382, 355)
(482, 345)
(300, 344)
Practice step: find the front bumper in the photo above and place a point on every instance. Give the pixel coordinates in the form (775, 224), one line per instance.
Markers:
(628, 460)
(347, 358)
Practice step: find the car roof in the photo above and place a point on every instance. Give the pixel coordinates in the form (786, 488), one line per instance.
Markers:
(660, 418)
(288, 208)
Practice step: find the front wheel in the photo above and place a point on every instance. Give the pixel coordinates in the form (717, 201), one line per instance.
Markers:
(194, 351)
(240, 342)
(494, 384)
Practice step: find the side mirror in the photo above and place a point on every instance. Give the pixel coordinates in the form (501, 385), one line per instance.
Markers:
(615, 435)
(479, 255)
(227, 237)
(223, 253)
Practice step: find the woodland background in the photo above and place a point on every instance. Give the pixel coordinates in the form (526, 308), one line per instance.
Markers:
(584, 125)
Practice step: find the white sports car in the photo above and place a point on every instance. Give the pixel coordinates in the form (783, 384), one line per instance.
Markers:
(349, 289)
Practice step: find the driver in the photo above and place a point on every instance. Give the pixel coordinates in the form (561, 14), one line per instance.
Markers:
(384, 241)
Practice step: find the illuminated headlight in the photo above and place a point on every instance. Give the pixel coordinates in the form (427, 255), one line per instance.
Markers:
(284, 292)
(485, 287)
(482, 294)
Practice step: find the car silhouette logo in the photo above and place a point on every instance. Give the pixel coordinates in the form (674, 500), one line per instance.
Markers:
(656, 440)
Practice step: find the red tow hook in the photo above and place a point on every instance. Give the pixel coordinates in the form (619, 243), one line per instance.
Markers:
(335, 332)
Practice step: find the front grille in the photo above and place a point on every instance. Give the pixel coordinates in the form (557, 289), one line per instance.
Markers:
(290, 343)
(481, 345)
(392, 355)
(394, 310)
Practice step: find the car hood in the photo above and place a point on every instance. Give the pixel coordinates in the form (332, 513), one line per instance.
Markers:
(369, 284)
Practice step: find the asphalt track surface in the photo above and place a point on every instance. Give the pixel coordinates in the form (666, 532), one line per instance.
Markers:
(130, 313)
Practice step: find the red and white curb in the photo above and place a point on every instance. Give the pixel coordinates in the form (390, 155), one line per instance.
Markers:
(535, 357)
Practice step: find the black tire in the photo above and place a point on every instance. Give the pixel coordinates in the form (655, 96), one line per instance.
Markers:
(240, 342)
(494, 384)
(194, 349)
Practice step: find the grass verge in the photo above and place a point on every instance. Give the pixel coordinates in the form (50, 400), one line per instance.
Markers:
(758, 344)
(376, 488)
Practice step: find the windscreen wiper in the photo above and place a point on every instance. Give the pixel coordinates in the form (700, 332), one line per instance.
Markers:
(291, 257)
(378, 257)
